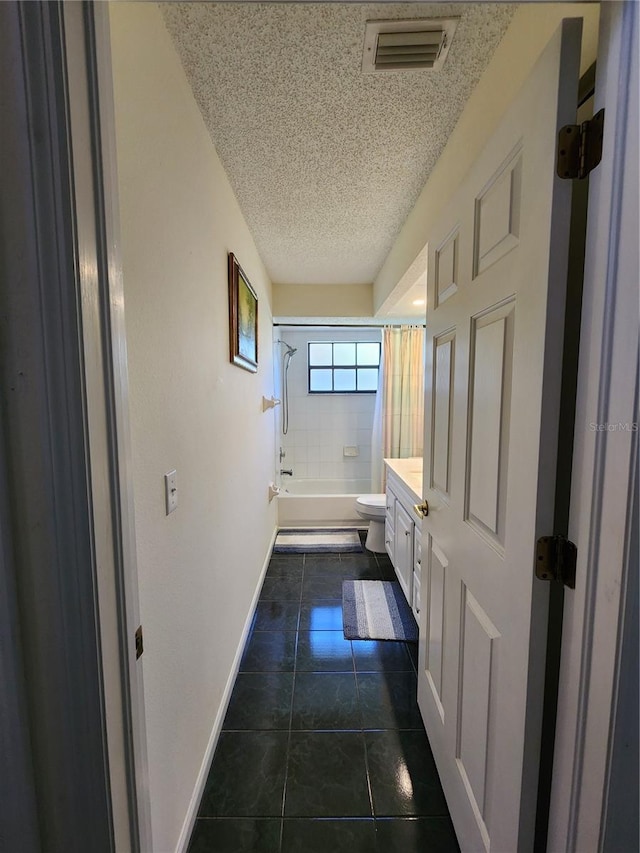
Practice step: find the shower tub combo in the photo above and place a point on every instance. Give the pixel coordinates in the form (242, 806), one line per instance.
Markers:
(320, 503)
(321, 498)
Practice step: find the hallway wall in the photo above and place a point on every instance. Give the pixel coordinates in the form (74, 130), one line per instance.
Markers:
(191, 409)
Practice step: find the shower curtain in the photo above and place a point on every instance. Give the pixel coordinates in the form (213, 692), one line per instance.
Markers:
(399, 412)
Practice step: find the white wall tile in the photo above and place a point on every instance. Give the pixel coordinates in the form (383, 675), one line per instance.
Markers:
(326, 453)
(321, 426)
(316, 437)
(299, 437)
(363, 437)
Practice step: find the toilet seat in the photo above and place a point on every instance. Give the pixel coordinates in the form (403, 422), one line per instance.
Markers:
(372, 505)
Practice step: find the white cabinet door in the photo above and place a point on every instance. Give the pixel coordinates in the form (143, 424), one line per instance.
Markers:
(389, 525)
(417, 570)
(496, 281)
(403, 551)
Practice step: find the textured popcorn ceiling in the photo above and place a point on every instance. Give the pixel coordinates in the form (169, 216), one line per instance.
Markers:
(326, 162)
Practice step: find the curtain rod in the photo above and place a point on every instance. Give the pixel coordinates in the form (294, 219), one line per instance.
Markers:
(343, 326)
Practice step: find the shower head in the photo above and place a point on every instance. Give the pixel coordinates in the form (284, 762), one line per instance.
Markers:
(290, 350)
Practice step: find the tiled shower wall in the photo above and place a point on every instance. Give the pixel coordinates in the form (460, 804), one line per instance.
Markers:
(321, 426)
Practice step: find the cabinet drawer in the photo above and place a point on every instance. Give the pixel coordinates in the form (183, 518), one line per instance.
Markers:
(417, 550)
(415, 604)
(391, 508)
(403, 550)
(389, 539)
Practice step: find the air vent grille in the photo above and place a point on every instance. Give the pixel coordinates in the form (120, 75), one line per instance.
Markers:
(406, 45)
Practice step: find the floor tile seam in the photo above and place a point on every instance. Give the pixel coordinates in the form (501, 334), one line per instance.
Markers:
(286, 775)
(364, 744)
(317, 817)
(326, 819)
(254, 730)
(275, 631)
(369, 729)
(411, 816)
(435, 818)
(295, 659)
(262, 671)
(351, 671)
(327, 671)
(281, 598)
(241, 817)
(281, 833)
(300, 601)
(323, 731)
(293, 693)
(314, 598)
(408, 818)
(384, 671)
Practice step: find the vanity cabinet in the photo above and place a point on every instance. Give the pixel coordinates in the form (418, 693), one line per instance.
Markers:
(403, 551)
(403, 536)
(389, 525)
(417, 570)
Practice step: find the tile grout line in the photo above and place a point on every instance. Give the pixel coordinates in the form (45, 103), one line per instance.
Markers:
(364, 740)
(293, 691)
(431, 818)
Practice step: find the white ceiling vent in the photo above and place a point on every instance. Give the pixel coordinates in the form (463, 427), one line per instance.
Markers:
(404, 45)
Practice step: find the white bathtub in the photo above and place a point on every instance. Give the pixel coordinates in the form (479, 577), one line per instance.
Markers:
(319, 503)
(326, 487)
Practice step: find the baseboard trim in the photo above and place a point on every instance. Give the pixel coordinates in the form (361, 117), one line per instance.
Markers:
(192, 811)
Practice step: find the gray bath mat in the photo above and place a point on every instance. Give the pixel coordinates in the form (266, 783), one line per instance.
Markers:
(376, 610)
(316, 541)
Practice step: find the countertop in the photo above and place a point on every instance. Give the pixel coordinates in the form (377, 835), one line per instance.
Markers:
(410, 472)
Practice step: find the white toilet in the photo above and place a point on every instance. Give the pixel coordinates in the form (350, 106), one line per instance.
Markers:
(373, 509)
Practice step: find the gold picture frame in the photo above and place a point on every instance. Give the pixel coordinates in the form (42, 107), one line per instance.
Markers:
(243, 318)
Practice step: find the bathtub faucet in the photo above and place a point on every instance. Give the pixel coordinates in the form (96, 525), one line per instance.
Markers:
(288, 471)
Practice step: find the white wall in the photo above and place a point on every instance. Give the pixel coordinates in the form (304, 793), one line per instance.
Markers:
(190, 408)
(321, 425)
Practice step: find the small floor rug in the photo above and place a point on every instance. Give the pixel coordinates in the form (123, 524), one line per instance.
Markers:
(316, 541)
(376, 610)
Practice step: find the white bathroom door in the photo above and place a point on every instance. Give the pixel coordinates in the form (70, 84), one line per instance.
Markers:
(496, 286)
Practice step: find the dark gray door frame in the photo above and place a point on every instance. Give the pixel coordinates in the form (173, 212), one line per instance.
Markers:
(55, 789)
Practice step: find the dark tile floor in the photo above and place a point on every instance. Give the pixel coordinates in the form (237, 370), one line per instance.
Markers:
(323, 749)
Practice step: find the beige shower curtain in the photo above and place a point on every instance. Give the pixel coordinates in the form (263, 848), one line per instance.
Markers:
(398, 423)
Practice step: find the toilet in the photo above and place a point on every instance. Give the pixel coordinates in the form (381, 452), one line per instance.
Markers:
(373, 509)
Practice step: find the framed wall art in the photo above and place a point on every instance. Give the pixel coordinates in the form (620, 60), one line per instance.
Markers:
(243, 318)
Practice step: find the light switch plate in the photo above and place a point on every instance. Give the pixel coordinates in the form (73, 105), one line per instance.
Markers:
(171, 491)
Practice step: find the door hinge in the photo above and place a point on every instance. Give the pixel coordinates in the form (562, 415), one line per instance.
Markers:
(139, 645)
(556, 560)
(580, 147)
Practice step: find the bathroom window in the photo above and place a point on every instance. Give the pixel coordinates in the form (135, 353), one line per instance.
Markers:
(344, 367)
